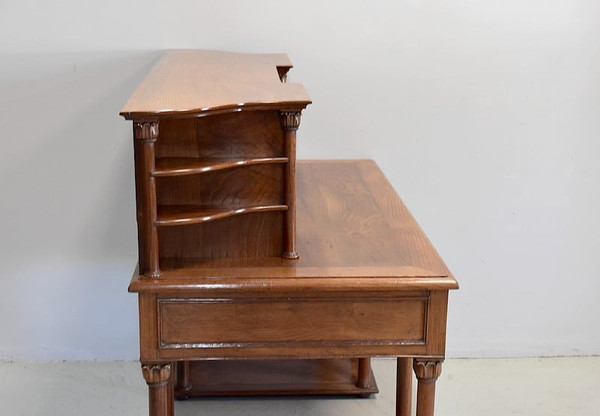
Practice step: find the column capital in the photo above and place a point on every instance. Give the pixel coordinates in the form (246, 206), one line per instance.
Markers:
(290, 120)
(145, 130)
(156, 373)
(427, 370)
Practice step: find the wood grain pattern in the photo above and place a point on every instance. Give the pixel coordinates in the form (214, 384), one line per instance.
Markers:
(170, 215)
(218, 323)
(290, 122)
(148, 326)
(190, 166)
(251, 134)
(368, 283)
(203, 169)
(220, 201)
(237, 187)
(215, 81)
(183, 386)
(404, 374)
(427, 372)
(144, 138)
(158, 376)
(364, 372)
(242, 163)
(225, 238)
(353, 232)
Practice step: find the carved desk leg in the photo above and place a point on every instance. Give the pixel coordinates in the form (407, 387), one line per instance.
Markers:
(427, 373)
(404, 386)
(158, 378)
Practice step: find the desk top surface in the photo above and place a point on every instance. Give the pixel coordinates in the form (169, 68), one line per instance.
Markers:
(196, 82)
(354, 232)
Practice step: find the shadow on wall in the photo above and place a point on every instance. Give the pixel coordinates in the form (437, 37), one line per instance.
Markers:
(68, 205)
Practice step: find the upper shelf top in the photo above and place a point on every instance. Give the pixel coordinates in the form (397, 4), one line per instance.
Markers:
(187, 82)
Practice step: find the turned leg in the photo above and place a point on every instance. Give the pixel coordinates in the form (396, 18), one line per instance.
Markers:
(183, 385)
(404, 386)
(364, 372)
(427, 373)
(158, 378)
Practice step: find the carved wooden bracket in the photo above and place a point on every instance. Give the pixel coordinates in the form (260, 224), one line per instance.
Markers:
(146, 130)
(156, 373)
(290, 120)
(427, 370)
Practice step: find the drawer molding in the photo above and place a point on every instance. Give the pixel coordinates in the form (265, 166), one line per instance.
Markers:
(219, 323)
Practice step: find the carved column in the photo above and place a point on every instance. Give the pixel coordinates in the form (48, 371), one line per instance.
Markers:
(158, 377)
(145, 134)
(290, 121)
(404, 381)
(427, 373)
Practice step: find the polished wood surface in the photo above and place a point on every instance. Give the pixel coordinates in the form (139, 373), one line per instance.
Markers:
(290, 122)
(159, 380)
(219, 323)
(255, 235)
(277, 378)
(243, 254)
(214, 82)
(368, 283)
(145, 135)
(404, 373)
(364, 372)
(215, 138)
(427, 372)
(353, 232)
(240, 135)
(191, 166)
(196, 214)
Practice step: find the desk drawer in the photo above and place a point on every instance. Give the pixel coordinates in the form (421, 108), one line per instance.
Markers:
(239, 323)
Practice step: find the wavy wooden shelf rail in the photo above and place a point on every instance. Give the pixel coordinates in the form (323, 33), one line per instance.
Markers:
(190, 166)
(196, 214)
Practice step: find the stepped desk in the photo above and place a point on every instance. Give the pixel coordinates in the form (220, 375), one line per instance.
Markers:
(257, 276)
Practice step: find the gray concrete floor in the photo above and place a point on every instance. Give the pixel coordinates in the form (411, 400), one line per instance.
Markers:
(547, 386)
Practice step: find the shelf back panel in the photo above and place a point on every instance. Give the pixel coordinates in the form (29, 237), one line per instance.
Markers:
(255, 235)
(245, 134)
(238, 187)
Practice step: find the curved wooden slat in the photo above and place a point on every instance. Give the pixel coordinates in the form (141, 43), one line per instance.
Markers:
(187, 215)
(189, 166)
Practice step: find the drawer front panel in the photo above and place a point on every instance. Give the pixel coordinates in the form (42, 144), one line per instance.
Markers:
(225, 323)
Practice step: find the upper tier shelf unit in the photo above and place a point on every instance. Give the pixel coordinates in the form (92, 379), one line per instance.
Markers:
(215, 142)
(200, 83)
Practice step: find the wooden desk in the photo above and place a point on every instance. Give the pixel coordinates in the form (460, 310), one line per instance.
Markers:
(367, 283)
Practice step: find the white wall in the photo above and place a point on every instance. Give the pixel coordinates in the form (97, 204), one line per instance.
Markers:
(484, 115)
